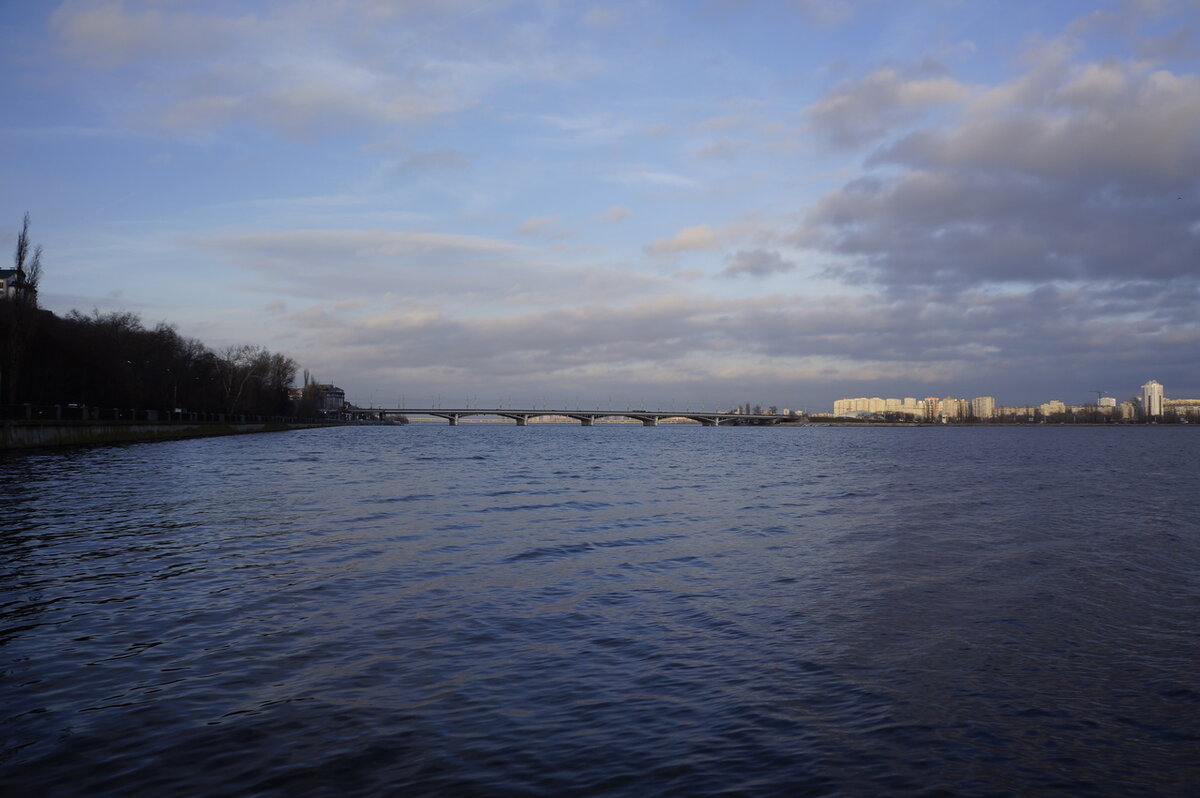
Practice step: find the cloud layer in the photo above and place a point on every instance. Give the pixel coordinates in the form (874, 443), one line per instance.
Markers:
(1070, 172)
(742, 201)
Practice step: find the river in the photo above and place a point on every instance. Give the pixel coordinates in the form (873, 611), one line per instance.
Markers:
(617, 610)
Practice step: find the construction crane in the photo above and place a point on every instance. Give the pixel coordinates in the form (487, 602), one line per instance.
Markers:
(1099, 394)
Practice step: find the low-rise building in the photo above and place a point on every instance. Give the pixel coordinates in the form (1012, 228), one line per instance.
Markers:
(1182, 408)
(330, 398)
(12, 284)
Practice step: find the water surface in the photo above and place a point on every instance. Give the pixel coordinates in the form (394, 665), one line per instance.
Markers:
(617, 610)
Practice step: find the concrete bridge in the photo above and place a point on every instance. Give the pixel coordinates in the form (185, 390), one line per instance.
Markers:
(587, 418)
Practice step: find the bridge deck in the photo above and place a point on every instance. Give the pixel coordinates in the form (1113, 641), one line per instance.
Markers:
(587, 418)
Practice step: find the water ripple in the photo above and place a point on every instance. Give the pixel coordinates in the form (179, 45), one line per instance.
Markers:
(489, 610)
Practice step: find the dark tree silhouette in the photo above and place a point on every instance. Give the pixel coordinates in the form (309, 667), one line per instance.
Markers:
(27, 261)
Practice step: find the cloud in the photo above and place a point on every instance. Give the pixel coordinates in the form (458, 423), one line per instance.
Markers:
(862, 111)
(347, 263)
(655, 178)
(687, 239)
(616, 213)
(433, 161)
(937, 227)
(1098, 124)
(755, 263)
(989, 228)
(722, 123)
(1177, 44)
(465, 270)
(538, 226)
(1084, 171)
(316, 94)
(721, 150)
(825, 12)
(1005, 344)
(109, 35)
(602, 18)
(307, 69)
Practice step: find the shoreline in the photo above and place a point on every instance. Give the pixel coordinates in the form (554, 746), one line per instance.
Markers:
(24, 435)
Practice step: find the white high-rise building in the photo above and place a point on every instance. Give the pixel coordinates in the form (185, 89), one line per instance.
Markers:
(951, 408)
(1052, 408)
(1152, 399)
(983, 407)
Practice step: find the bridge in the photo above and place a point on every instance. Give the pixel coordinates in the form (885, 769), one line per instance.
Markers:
(587, 418)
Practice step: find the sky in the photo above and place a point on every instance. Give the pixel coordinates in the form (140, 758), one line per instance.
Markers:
(682, 205)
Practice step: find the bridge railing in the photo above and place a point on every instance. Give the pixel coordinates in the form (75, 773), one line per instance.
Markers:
(587, 417)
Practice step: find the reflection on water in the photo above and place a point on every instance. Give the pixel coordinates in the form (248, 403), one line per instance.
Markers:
(612, 610)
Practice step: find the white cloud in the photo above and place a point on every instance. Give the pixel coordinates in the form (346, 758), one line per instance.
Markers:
(721, 150)
(1096, 124)
(722, 123)
(995, 337)
(464, 270)
(109, 34)
(862, 111)
(1070, 171)
(433, 161)
(616, 213)
(826, 12)
(538, 226)
(687, 239)
(306, 68)
(602, 18)
(656, 178)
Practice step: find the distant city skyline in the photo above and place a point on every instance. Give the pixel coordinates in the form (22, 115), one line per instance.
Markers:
(1150, 402)
(623, 203)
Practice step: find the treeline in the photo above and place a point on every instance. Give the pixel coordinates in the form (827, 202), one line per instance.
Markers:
(114, 360)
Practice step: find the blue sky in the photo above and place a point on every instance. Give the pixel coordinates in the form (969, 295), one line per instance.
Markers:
(639, 203)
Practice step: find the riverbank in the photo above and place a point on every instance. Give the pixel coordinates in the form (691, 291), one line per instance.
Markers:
(50, 434)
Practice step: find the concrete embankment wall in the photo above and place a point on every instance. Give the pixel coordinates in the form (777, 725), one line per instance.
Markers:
(26, 435)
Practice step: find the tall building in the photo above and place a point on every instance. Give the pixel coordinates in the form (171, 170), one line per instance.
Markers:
(1152, 399)
(1052, 408)
(983, 407)
(952, 409)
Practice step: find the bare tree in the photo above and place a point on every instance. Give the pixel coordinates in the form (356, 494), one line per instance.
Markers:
(27, 260)
(236, 366)
(19, 316)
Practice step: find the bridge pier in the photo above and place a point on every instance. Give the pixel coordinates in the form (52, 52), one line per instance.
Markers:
(453, 420)
(649, 422)
(710, 422)
(588, 421)
(522, 421)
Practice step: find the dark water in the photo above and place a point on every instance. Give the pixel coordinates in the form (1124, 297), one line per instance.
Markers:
(554, 610)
